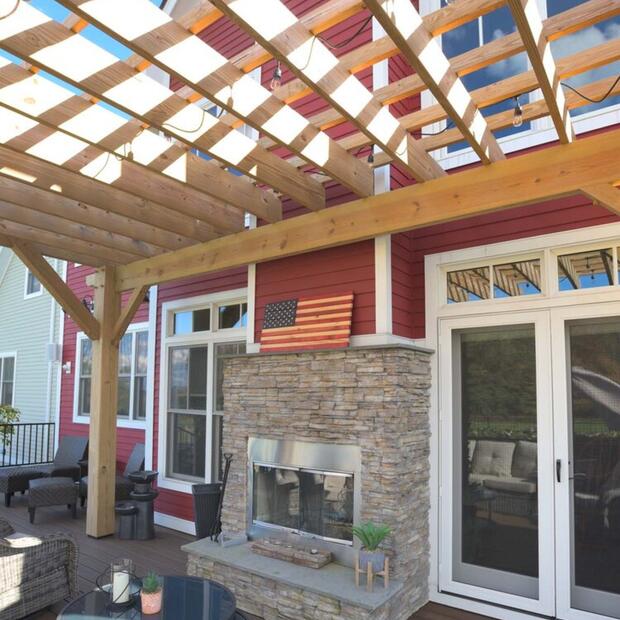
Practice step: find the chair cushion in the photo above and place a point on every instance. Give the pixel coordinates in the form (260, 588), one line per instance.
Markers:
(524, 462)
(17, 478)
(510, 485)
(493, 458)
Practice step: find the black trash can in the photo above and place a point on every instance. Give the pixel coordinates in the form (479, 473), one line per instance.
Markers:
(206, 500)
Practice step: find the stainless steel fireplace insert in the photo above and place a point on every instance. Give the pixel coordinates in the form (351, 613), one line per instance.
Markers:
(304, 491)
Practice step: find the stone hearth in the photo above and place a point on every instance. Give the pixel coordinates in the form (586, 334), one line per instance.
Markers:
(376, 398)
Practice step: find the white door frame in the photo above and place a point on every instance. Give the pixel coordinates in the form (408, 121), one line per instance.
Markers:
(544, 603)
(546, 247)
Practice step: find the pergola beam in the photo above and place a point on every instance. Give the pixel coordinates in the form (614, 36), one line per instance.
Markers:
(550, 173)
(605, 195)
(405, 27)
(318, 67)
(118, 171)
(115, 82)
(96, 193)
(57, 288)
(75, 116)
(530, 26)
(146, 238)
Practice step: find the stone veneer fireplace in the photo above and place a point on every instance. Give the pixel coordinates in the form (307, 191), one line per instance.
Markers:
(372, 402)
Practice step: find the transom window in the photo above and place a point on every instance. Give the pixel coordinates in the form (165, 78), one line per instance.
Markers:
(574, 269)
(132, 375)
(7, 379)
(211, 318)
(510, 279)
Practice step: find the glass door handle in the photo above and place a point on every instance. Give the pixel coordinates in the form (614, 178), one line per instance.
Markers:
(558, 470)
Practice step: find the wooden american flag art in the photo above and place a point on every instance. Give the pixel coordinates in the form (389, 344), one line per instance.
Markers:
(308, 323)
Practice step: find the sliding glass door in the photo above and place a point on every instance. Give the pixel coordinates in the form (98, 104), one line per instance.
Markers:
(497, 532)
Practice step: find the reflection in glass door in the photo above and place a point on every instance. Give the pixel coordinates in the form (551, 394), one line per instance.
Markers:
(495, 487)
(594, 405)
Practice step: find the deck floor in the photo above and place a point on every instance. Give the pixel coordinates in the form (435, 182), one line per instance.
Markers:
(163, 555)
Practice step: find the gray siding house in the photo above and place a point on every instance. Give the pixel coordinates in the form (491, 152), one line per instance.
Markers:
(30, 322)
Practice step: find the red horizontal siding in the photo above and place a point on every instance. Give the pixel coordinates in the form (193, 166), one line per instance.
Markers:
(126, 438)
(336, 270)
(171, 502)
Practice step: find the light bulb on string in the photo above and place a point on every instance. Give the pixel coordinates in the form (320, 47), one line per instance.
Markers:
(276, 80)
(517, 119)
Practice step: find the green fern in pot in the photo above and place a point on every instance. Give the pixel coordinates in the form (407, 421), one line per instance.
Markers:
(371, 536)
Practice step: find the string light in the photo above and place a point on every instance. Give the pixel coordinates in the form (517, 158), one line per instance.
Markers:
(276, 80)
(371, 155)
(517, 119)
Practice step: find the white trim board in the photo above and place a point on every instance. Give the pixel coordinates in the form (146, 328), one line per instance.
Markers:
(174, 523)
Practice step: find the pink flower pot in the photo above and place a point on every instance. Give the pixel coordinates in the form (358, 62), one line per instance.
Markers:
(151, 602)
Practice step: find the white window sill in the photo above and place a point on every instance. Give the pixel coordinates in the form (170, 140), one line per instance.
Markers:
(180, 486)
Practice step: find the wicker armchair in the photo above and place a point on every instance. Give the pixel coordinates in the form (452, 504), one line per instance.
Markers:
(35, 573)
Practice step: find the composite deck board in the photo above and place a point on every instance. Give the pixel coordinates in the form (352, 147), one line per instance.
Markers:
(163, 555)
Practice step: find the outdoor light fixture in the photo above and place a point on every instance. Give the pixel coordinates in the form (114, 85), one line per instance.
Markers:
(517, 119)
(371, 155)
(88, 303)
(276, 80)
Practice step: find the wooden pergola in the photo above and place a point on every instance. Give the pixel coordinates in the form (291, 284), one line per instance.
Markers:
(133, 194)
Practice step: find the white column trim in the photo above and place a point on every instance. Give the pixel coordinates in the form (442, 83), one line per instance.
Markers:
(383, 243)
(383, 284)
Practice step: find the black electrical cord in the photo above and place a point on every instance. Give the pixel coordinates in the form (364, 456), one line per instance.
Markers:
(346, 42)
(601, 99)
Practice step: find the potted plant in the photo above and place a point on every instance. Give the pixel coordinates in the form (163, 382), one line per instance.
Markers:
(371, 536)
(151, 594)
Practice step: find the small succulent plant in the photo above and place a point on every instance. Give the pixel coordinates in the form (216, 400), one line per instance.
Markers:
(371, 535)
(151, 583)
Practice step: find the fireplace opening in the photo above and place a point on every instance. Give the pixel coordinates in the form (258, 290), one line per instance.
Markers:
(301, 489)
(304, 501)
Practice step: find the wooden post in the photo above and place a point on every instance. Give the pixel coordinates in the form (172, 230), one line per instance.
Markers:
(100, 517)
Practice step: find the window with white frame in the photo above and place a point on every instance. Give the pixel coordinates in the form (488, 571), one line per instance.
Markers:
(570, 268)
(32, 286)
(198, 336)
(7, 378)
(132, 375)
(498, 24)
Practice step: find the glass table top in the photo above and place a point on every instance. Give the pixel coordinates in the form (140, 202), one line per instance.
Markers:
(185, 598)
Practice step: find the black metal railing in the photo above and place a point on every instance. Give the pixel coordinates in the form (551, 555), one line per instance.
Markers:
(27, 444)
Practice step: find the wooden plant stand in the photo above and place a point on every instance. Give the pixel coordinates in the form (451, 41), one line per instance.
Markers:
(370, 575)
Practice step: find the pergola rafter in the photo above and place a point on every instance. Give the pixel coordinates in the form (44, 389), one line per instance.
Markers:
(405, 27)
(312, 61)
(81, 181)
(81, 118)
(49, 45)
(538, 48)
(168, 46)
